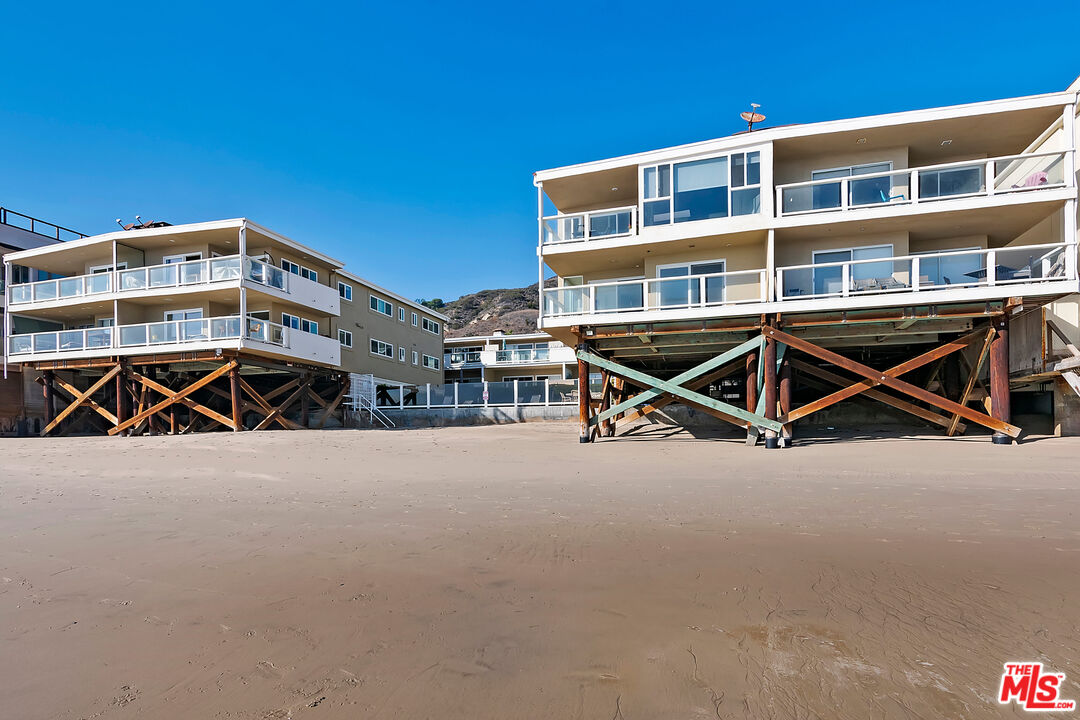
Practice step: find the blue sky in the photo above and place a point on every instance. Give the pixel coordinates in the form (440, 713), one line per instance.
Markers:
(402, 137)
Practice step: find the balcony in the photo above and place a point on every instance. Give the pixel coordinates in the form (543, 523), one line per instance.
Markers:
(932, 277)
(592, 225)
(458, 359)
(174, 335)
(171, 276)
(1009, 175)
(676, 293)
(928, 273)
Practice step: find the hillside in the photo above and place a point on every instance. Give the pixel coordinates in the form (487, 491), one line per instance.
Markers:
(513, 310)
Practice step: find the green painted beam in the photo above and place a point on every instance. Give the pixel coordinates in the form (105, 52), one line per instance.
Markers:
(672, 387)
(780, 348)
(694, 372)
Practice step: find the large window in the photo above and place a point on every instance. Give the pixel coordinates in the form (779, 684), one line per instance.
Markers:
(869, 191)
(381, 306)
(702, 189)
(962, 268)
(829, 280)
(378, 347)
(431, 363)
(431, 326)
(344, 290)
(345, 338)
(681, 286)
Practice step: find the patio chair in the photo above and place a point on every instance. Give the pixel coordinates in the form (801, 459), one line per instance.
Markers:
(886, 198)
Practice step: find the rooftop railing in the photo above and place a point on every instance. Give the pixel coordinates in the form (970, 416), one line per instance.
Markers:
(38, 227)
(458, 358)
(168, 275)
(1008, 174)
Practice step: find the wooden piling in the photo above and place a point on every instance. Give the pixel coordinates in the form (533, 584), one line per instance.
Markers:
(786, 390)
(49, 393)
(1000, 406)
(234, 392)
(583, 396)
(770, 390)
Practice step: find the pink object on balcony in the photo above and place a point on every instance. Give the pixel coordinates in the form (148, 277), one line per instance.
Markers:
(1036, 179)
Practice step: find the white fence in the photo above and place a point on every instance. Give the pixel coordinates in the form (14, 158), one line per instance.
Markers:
(511, 393)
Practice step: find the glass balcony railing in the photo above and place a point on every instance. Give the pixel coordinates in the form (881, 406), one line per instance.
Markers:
(592, 225)
(925, 272)
(169, 275)
(127, 336)
(694, 291)
(1010, 174)
(459, 358)
(523, 355)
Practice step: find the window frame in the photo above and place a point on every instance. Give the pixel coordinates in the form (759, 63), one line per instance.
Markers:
(428, 321)
(376, 300)
(415, 357)
(374, 342)
(344, 335)
(415, 320)
(730, 187)
(401, 353)
(435, 366)
(348, 294)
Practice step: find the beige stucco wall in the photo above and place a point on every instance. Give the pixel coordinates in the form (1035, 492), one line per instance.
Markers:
(365, 324)
(800, 169)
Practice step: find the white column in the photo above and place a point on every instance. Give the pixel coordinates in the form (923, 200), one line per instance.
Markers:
(241, 242)
(1068, 124)
(1070, 238)
(115, 280)
(515, 393)
(547, 389)
(7, 315)
(770, 264)
(429, 396)
(540, 252)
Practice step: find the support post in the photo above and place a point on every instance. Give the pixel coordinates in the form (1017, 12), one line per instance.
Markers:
(770, 390)
(605, 401)
(786, 390)
(234, 392)
(752, 362)
(583, 396)
(305, 403)
(122, 399)
(49, 393)
(1000, 407)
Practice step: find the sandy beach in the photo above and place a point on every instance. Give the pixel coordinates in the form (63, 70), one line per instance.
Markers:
(507, 572)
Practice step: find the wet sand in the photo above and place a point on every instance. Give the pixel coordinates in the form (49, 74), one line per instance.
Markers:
(507, 572)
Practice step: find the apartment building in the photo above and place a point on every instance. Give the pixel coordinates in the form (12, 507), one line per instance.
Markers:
(21, 403)
(132, 326)
(835, 257)
(500, 357)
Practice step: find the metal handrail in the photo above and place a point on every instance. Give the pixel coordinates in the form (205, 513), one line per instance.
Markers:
(34, 222)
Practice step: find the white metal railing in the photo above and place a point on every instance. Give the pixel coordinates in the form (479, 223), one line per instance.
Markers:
(523, 355)
(510, 393)
(1009, 174)
(714, 289)
(140, 335)
(169, 275)
(591, 225)
(927, 272)
(458, 358)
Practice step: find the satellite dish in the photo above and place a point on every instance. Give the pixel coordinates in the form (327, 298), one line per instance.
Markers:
(752, 116)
